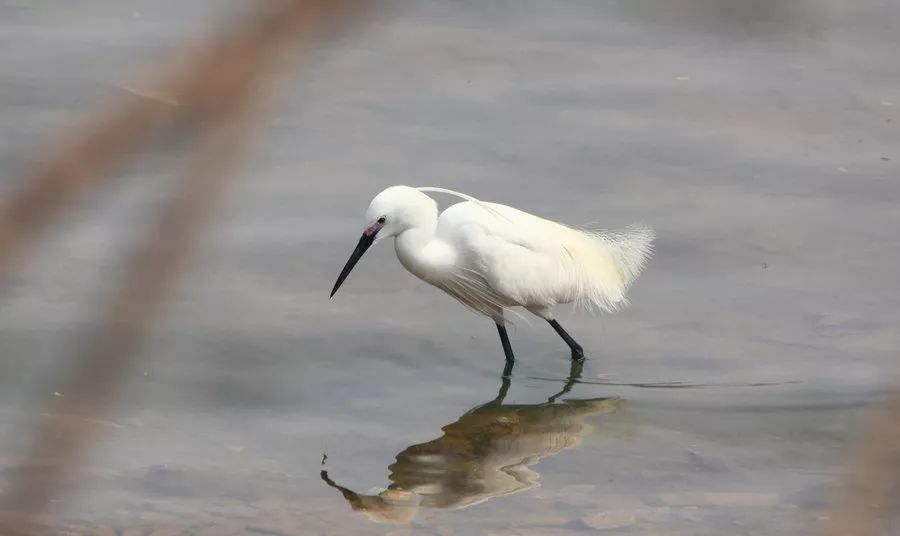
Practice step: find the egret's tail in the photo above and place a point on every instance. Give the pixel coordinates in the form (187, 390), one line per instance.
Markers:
(616, 260)
(632, 247)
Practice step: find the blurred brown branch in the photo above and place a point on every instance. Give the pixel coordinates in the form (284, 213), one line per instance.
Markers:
(199, 83)
(217, 89)
(868, 494)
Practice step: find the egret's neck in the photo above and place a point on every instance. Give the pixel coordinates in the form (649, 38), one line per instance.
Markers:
(422, 253)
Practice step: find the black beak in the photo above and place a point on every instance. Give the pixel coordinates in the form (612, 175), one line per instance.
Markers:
(364, 242)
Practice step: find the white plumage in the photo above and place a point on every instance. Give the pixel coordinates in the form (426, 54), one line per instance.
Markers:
(492, 257)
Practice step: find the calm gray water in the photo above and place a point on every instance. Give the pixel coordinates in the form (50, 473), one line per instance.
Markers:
(759, 139)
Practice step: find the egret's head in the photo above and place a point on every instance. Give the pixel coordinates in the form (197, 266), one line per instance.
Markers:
(397, 209)
(393, 211)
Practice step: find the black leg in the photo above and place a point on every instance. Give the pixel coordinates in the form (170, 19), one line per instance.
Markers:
(507, 349)
(577, 350)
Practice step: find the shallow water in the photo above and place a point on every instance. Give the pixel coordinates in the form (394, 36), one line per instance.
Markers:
(759, 142)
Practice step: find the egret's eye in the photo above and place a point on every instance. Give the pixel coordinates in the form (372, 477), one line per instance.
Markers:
(381, 219)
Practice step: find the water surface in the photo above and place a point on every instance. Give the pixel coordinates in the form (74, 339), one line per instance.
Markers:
(759, 141)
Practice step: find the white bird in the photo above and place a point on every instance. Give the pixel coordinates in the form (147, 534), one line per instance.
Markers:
(491, 257)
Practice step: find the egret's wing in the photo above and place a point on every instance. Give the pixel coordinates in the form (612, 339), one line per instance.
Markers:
(500, 222)
(530, 261)
(507, 259)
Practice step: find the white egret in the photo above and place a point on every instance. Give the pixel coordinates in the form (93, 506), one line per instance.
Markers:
(491, 257)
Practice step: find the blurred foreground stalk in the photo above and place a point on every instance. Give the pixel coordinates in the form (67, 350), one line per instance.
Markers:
(216, 91)
(869, 494)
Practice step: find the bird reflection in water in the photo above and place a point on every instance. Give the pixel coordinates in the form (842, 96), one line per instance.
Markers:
(488, 452)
